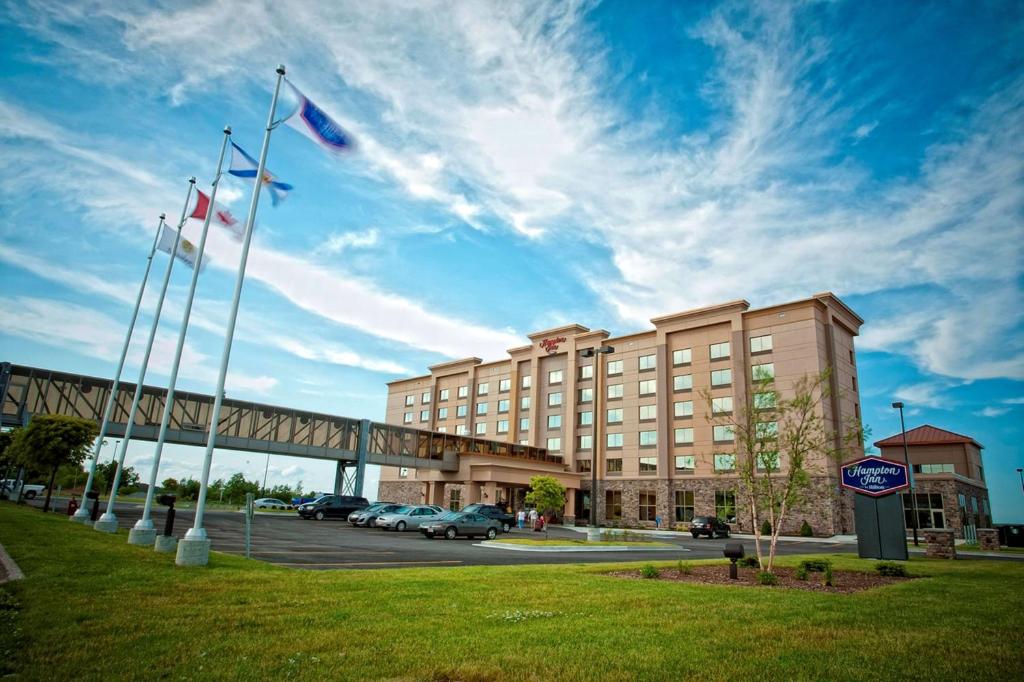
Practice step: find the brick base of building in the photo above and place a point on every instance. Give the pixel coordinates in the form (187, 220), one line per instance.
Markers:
(939, 544)
(988, 539)
(401, 492)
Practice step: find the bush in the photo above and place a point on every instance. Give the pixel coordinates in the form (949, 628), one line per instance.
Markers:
(891, 569)
(816, 565)
(828, 575)
(805, 530)
(801, 572)
(749, 562)
(767, 578)
(766, 527)
(649, 571)
(684, 568)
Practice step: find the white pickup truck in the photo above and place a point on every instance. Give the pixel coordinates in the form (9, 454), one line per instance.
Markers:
(10, 488)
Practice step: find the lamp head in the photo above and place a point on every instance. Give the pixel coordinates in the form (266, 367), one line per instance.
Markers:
(897, 406)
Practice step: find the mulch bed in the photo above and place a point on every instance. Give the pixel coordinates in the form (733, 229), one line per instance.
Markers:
(842, 581)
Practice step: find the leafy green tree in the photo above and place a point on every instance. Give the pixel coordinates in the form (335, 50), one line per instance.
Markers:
(51, 440)
(546, 494)
(282, 492)
(104, 477)
(188, 489)
(237, 487)
(170, 485)
(7, 461)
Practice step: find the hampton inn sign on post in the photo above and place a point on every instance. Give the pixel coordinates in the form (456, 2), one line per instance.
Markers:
(878, 510)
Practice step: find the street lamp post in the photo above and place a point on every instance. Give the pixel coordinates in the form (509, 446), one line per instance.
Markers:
(910, 469)
(1020, 472)
(594, 532)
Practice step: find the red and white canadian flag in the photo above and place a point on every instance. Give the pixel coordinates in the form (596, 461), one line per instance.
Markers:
(221, 216)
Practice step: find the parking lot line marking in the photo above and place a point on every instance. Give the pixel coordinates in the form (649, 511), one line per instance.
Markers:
(368, 563)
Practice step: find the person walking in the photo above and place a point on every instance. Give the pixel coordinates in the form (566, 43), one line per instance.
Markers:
(521, 518)
(533, 518)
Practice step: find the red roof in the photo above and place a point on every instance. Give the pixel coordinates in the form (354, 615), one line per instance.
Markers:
(927, 435)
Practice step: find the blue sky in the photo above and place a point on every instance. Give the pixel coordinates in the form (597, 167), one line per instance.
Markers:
(600, 163)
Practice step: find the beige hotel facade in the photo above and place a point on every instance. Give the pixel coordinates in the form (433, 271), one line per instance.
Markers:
(662, 455)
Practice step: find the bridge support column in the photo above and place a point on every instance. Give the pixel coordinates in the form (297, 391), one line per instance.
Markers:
(362, 448)
(339, 478)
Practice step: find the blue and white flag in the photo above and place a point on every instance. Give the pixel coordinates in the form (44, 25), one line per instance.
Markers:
(314, 123)
(244, 166)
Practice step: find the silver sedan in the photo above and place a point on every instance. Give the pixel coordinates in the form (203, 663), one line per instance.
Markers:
(409, 517)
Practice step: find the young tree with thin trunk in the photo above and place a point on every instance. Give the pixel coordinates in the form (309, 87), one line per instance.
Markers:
(777, 434)
(51, 440)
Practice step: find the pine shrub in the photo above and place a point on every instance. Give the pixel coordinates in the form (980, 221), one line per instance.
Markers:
(805, 530)
(650, 571)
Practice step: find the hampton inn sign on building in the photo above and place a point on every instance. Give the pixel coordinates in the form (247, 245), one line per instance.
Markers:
(661, 456)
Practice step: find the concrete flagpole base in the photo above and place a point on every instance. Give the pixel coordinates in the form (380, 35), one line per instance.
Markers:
(79, 518)
(193, 552)
(166, 544)
(106, 524)
(141, 536)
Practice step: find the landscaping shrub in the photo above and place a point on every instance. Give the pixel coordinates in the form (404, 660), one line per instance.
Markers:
(767, 578)
(748, 562)
(801, 572)
(766, 527)
(684, 568)
(891, 569)
(816, 565)
(805, 530)
(828, 575)
(649, 571)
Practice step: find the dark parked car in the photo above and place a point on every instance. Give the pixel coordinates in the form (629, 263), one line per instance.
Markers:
(332, 506)
(454, 524)
(368, 517)
(708, 525)
(493, 511)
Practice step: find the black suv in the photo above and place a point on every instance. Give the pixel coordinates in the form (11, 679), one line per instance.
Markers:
(493, 511)
(708, 525)
(331, 506)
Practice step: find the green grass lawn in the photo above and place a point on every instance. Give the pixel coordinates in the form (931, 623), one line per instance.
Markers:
(578, 541)
(93, 607)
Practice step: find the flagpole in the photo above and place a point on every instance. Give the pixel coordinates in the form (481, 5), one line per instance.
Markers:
(194, 548)
(108, 522)
(82, 515)
(144, 533)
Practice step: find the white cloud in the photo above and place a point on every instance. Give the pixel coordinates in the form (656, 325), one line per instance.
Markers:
(338, 242)
(864, 130)
(927, 394)
(1014, 401)
(993, 412)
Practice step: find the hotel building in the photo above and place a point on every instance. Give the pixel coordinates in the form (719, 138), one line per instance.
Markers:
(664, 455)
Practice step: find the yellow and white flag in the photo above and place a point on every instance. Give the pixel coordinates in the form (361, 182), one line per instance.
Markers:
(187, 251)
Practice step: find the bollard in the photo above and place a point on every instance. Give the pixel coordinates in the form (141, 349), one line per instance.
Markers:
(734, 552)
(95, 497)
(167, 542)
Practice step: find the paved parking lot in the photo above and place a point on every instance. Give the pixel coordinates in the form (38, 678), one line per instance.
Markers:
(286, 540)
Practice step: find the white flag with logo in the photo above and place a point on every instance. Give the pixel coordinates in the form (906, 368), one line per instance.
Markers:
(187, 251)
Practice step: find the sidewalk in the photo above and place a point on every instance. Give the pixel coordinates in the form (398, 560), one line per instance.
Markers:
(665, 533)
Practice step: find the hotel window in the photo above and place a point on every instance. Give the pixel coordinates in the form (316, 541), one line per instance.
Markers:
(424, 415)
(586, 418)
(554, 444)
(554, 399)
(648, 439)
(764, 372)
(442, 413)
(614, 440)
(502, 426)
(684, 506)
(403, 472)
(933, 468)
(853, 382)
(555, 377)
(409, 400)
(613, 504)
(685, 464)
(683, 356)
(930, 512)
(724, 434)
(765, 401)
(725, 462)
(554, 421)
(613, 465)
(767, 461)
(647, 362)
(504, 385)
(614, 391)
(586, 443)
(683, 436)
(760, 344)
(455, 499)
(721, 405)
(648, 413)
(648, 387)
(481, 408)
(442, 429)
(524, 424)
(425, 398)
(683, 408)
(524, 441)
(586, 371)
(461, 430)
(682, 382)
(766, 430)
(482, 389)
(463, 391)
(614, 416)
(648, 505)
(725, 505)
(721, 377)
(524, 403)
(460, 410)
(614, 367)
(719, 350)
(503, 405)
(527, 381)
(407, 418)
(583, 466)
(586, 395)
(444, 394)
(481, 428)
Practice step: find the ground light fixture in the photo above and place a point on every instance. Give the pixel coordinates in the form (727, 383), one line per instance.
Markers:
(733, 552)
(593, 532)
(910, 470)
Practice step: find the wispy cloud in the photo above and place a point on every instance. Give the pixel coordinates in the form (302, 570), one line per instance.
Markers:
(993, 412)
(338, 242)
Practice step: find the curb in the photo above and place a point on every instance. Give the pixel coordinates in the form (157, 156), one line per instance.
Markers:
(571, 548)
(11, 569)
